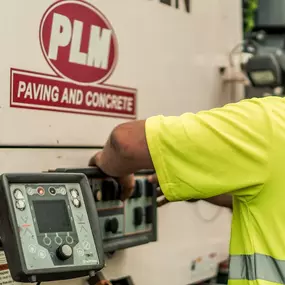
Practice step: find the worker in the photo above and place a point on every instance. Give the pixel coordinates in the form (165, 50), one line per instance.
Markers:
(238, 149)
(224, 200)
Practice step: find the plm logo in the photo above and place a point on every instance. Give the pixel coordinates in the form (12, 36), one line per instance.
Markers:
(81, 48)
(78, 42)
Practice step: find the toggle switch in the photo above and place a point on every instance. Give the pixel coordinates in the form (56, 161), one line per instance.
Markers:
(148, 214)
(137, 191)
(110, 190)
(148, 188)
(112, 225)
(138, 216)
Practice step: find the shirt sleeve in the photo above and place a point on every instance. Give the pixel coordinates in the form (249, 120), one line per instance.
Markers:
(224, 150)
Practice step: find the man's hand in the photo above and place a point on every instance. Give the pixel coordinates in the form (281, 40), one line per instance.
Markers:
(161, 200)
(125, 152)
(126, 182)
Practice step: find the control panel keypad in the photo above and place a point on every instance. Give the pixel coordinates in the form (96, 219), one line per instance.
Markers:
(119, 219)
(53, 225)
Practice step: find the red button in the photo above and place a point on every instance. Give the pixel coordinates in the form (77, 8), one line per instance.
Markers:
(41, 191)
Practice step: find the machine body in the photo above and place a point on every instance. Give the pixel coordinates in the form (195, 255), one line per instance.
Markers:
(122, 224)
(266, 67)
(49, 227)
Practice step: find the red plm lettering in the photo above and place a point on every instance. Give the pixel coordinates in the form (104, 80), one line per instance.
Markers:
(78, 42)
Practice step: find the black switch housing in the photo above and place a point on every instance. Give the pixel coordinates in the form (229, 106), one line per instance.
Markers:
(148, 214)
(112, 225)
(138, 216)
(138, 190)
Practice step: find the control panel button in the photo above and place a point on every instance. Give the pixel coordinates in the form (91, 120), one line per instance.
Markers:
(148, 214)
(47, 240)
(58, 240)
(74, 193)
(20, 205)
(41, 191)
(18, 194)
(148, 188)
(32, 248)
(138, 190)
(30, 191)
(138, 216)
(76, 203)
(62, 191)
(86, 245)
(69, 239)
(42, 254)
(112, 225)
(64, 252)
(80, 251)
(52, 191)
(25, 219)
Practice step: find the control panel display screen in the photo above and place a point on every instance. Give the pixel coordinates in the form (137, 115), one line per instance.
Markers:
(52, 216)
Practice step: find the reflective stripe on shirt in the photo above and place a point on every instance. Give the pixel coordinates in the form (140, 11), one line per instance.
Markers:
(257, 266)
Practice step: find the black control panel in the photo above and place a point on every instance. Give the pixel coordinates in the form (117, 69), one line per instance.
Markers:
(49, 226)
(123, 224)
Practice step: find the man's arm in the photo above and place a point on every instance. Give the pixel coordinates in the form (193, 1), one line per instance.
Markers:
(195, 156)
(125, 152)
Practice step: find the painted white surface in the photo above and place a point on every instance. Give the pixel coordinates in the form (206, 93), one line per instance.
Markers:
(172, 58)
(169, 56)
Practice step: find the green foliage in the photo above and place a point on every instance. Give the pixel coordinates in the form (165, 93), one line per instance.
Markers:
(250, 8)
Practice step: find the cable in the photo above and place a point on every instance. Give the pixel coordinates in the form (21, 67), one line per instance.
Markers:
(234, 50)
(241, 45)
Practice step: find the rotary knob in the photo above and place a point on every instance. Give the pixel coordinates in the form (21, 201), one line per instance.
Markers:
(64, 252)
(112, 225)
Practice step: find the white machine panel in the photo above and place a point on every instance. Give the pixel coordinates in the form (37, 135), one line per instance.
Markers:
(72, 70)
(162, 60)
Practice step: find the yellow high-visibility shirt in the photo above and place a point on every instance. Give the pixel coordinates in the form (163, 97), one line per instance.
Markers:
(238, 149)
